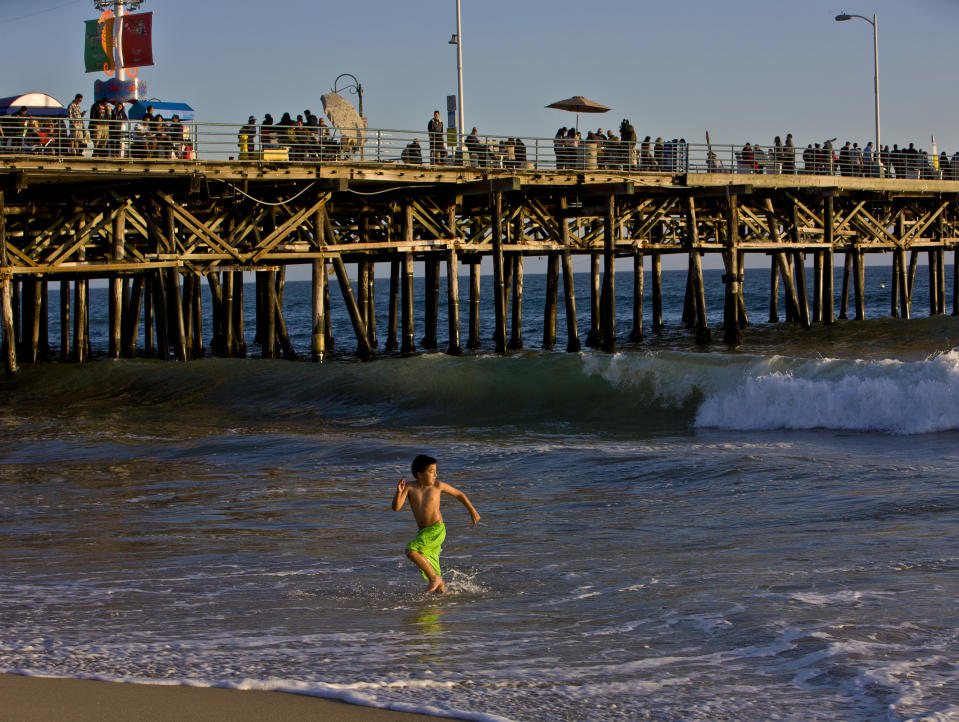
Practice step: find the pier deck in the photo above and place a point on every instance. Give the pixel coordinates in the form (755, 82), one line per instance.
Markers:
(157, 228)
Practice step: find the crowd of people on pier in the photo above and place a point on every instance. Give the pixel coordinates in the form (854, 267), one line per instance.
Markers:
(306, 138)
(108, 132)
(850, 160)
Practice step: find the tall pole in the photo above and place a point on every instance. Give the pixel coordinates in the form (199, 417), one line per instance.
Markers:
(459, 73)
(875, 42)
(119, 10)
(843, 17)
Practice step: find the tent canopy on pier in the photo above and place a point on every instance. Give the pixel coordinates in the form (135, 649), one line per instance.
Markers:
(35, 103)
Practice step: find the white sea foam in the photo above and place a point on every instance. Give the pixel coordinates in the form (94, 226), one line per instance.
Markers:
(773, 392)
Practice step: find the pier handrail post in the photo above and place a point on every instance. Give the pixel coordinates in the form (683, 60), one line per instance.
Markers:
(6, 291)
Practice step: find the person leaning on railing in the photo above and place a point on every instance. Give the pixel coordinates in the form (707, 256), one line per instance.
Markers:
(246, 139)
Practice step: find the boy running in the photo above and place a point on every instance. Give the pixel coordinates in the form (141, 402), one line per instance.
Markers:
(424, 496)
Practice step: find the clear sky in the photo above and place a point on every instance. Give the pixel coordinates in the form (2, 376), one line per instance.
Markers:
(746, 70)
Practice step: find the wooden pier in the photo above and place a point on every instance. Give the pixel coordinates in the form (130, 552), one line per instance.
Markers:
(159, 229)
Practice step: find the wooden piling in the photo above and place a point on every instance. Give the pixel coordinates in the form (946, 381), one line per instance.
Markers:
(552, 295)
(473, 342)
(703, 334)
(817, 287)
(573, 344)
(131, 326)
(595, 336)
(408, 346)
(239, 329)
(116, 286)
(453, 348)
(318, 335)
(64, 321)
(499, 289)
(774, 288)
(894, 285)
(431, 303)
(844, 296)
(731, 329)
(608, 305)
(81, 313)
(363, 348)
(799, 270)
(6, 297)
(828, 311)
(217, 344)
(636, 334)
(657, 293)
(392, 344)
(268, 342)
(859, 283)
(516, 327)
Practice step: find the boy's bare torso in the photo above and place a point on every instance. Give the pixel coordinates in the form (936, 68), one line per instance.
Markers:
(425, 503)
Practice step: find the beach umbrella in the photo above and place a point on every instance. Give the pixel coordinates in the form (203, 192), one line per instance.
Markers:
(343, 117)
(578, 104)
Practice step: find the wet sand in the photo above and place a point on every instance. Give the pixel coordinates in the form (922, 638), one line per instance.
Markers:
(29, 699)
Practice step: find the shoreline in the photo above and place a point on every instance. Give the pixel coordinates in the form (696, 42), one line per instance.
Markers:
(27, 698)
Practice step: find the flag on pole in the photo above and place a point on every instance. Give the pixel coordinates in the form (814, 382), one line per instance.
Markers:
(136, 40)
(98, 46)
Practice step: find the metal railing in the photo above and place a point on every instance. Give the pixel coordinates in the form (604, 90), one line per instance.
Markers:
(133, 140)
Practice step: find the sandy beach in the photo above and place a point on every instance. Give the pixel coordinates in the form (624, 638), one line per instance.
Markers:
(36, 698)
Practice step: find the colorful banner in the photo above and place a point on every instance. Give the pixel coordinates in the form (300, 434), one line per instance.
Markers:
(136, 40)
(98, 46)
(114, 90)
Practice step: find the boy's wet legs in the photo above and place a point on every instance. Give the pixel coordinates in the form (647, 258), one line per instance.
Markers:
(436, 582)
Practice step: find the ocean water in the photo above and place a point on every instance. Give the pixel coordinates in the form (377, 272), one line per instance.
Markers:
(668, 532)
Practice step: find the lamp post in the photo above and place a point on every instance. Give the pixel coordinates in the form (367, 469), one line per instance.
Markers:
(355, 88)
(457, 40)
(842, 17)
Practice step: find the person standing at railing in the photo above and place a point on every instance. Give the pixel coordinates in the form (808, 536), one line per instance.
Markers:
(789, 155)
(437, 144)
(118, 126)
(140, 141)
(99, 127)
(559, 147)
(246, 139)
(267, 133)
(627, 134)
(175, 130)
(868, 161)
(478, 153)
(76, 113)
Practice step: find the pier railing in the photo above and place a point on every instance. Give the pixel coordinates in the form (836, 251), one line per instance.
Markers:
(137, 141)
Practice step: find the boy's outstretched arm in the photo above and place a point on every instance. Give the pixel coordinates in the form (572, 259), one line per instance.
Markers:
(457, 494)
(400, 497)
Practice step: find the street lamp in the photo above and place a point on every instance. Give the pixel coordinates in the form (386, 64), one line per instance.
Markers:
(457, 40)
(355, 88)
(842, 17)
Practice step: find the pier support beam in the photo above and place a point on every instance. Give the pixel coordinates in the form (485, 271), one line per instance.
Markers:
(703, 334)
(569, 286)
(657, 293)
(6, 298)
(828, 271)
(499, 289)
(516, 327)
(731, 330)
(393, 312)
(608, 304)
(363, 349)
(636, 334)
(595, 336)
(552, 295)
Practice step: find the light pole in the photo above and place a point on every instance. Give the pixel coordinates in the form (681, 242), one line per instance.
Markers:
(842, 17)
(355, 88)
(457, 40)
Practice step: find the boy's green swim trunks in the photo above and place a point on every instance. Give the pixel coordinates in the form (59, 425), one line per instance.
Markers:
(429, 542)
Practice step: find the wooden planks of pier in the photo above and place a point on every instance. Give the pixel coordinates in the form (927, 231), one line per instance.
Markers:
(159, 230)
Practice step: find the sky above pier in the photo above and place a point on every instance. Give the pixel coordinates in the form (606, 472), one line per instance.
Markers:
(745, 70)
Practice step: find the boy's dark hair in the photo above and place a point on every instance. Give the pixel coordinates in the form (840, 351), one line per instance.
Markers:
(421, 462)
